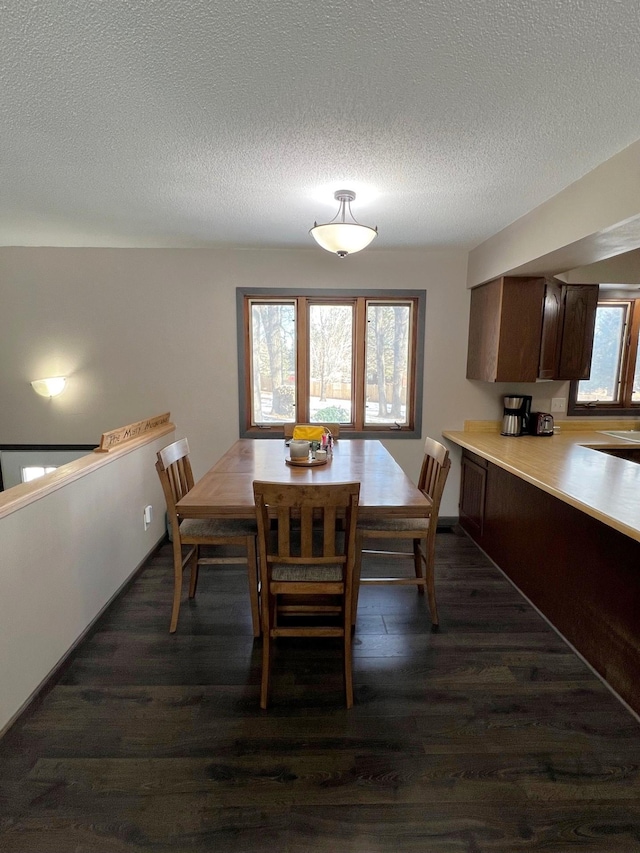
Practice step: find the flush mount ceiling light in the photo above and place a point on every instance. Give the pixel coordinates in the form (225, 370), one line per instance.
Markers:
(343, 236)
(50, 387)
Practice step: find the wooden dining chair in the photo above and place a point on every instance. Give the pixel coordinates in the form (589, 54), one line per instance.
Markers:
(306, 566)
(420, 531)
(174, 469)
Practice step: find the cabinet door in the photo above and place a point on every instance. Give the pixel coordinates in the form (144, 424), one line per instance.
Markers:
(551, 330)
(472, 495)
(484, 331)
(578, 326)
(505, 325)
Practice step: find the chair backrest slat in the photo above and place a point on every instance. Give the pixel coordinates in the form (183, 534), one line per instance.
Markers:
(174, 469)
(299, 510)
(434, 472)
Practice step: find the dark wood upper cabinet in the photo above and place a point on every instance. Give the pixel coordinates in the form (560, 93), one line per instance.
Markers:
(578, 326)
(551, 330)
(568, 326)
(523, 329)
(505, 325)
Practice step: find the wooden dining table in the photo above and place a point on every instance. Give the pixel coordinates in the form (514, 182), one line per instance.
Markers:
(226, 490)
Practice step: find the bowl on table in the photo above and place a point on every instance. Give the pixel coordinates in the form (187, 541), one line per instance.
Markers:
(299, 448)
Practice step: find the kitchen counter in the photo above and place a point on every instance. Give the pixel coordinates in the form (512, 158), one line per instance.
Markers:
(569, 466)
(562, 521)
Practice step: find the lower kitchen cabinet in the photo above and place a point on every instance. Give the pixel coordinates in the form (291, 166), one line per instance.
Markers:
(472, 491)
(583, 575)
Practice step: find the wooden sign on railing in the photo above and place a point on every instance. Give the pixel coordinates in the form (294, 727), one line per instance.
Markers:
(118, 437)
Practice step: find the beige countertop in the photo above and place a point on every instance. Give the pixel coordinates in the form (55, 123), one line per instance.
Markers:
(568, 466)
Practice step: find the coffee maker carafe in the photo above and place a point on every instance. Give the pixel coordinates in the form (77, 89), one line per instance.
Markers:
(515, 418)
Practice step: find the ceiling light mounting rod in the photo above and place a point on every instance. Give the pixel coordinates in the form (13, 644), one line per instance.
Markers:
(340, 235)
(345, 197)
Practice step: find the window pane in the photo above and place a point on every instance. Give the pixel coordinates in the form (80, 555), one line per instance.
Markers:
(32, 472)
(387, 363)
(330, 363)
(273, 362)
(603, 384)
(635, 394)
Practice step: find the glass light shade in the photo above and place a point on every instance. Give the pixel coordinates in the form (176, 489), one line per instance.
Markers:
(343, 238)
(50, 387)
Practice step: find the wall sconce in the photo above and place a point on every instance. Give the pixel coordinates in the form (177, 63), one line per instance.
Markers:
(50, 387)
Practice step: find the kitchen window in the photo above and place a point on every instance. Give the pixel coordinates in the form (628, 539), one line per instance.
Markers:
(614, 384)
(347, 357)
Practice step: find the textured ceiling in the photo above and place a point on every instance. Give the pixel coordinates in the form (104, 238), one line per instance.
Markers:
(231, 122)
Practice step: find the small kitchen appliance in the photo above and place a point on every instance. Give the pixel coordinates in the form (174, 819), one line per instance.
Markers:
(515, 418)
(540, 423)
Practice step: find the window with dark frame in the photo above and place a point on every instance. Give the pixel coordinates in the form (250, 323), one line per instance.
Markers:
(614, 383)
(348, 357)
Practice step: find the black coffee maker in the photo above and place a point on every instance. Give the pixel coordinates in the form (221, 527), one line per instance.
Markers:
(515, 418)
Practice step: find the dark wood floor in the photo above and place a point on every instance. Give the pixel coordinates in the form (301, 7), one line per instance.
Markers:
(490, 735)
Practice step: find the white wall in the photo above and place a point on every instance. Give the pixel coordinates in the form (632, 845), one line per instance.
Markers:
(63, 558)
(143, 331)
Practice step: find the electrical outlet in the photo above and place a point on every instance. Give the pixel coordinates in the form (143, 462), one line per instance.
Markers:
(147, 516)
(558, 404)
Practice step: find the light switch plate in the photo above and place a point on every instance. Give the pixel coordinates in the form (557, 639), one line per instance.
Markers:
(558, 404)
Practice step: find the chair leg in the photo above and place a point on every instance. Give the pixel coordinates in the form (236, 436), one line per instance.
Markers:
(252, 572)
(430, 562)
(417, 563)
(194, 568)
(266, 650)
(177, 584)
(266, 670)
(357, 571)
(348, 668)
